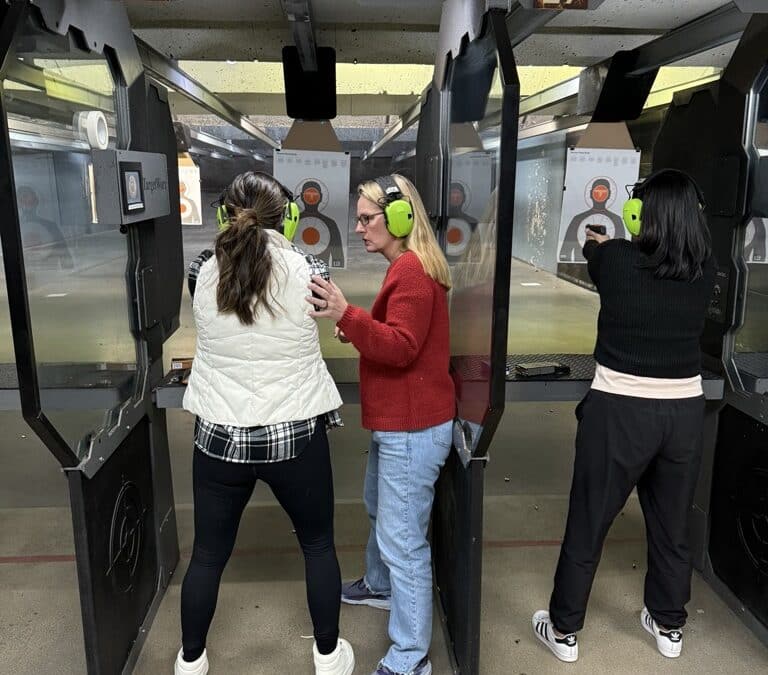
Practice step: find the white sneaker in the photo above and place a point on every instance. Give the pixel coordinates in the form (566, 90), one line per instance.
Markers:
(565, 648)
(668, 642)
(199, 667)
(341, 661)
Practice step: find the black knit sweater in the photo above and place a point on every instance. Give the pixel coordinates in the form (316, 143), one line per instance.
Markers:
(647, 326)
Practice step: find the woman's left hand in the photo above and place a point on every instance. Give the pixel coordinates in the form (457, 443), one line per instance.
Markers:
(330, 303)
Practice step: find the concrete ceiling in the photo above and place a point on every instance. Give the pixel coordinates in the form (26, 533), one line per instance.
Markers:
(401, 34)
(425, 12)
(393, 31)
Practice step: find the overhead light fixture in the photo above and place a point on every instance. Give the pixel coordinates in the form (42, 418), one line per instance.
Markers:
(231, 62)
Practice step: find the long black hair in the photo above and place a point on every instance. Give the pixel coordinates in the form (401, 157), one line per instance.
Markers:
(674, 236)
(254, 201)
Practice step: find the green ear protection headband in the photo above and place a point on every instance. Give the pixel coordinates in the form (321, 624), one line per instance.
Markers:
(633, 207)
(291, 214)
(290, 218)
(222, 217)
(397, 211)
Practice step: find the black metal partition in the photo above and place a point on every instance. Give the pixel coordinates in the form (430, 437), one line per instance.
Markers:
(482, 81)
(718, 134)
(93, 268)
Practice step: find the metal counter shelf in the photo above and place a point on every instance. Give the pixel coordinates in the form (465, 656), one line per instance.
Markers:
(571, 387)
(574, 385)
(86, 386)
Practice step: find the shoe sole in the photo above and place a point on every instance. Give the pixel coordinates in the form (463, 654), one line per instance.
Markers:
(427, 670)
(377, 604)
(663, 652)
(551, 647)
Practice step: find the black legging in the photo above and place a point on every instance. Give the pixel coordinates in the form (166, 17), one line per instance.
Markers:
(304, 488)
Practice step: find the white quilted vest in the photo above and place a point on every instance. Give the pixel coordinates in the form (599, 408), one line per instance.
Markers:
(269, 372)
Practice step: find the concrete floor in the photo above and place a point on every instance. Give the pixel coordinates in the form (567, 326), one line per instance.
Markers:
(262, 614)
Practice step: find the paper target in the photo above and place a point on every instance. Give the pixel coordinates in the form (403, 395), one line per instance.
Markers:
(319, 181)
(460, 195)
(594, 196)
(457, 236)
(190, 197)
(600, 190)
(312, 235)
(312, 193)
(749, 236)
(596, 219)
(755, 242)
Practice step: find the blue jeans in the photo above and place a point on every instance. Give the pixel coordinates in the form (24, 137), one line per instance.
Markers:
(403, 467)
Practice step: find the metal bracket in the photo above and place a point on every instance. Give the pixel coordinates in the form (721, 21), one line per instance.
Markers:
(752, 6)
(167, 72)
(460, 20)
(299, 14)
(560, 5)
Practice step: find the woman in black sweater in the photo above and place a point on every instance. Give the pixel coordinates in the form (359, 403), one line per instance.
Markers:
(641, 422)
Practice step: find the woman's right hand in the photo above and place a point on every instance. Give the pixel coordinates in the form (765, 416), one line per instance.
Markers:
(339, 335)
(594, 236)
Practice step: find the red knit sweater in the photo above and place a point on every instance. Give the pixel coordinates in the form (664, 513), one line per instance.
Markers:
(404, 351)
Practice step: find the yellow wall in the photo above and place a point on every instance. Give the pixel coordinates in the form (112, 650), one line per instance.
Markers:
(398, 79)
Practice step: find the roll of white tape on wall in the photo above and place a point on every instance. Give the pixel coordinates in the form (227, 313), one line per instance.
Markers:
(96, 129)
(91, 126)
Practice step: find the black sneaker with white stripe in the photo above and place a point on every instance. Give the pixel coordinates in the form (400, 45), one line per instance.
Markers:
(564, 648)
(668, 642)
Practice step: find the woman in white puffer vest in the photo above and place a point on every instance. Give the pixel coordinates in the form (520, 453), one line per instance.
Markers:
(263, 398)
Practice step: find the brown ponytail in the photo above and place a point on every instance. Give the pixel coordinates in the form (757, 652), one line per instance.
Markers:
(254, 201)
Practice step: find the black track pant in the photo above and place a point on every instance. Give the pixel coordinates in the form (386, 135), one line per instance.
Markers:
(304, 488)
(623, 442)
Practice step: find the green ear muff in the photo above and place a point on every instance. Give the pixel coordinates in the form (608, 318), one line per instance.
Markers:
(222, 217)
(633, 209)
(291, 214)
(399, 215)
(398, 212)
(291, 220)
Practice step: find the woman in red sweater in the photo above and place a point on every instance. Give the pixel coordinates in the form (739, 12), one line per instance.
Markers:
(408, 403)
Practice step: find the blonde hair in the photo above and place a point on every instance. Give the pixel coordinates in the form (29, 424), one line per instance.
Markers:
(422, 239)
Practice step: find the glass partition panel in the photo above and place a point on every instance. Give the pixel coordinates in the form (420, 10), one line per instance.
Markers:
(211, 153)
(76, 266)
(7, 369)
(538, 200)
(751, 345)
(548, 314)
(472, 229)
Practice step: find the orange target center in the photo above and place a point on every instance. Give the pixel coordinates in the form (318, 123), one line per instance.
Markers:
(600, 193)
(310, 236)
(454, 236)
(311, 196)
